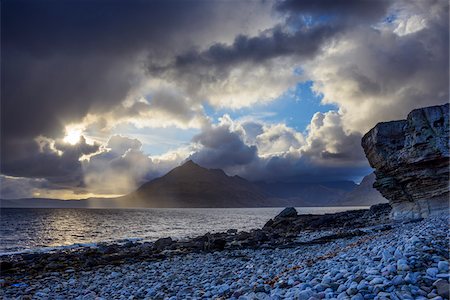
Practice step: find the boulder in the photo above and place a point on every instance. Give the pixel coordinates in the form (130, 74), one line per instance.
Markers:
(163, 243)
(411, 162)
(288, 212)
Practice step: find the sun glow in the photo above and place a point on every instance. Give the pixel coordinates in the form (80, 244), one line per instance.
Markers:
(73, 135)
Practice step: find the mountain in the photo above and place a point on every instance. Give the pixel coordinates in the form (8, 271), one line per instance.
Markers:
(364, 193)
(309, 193)
(190, 185)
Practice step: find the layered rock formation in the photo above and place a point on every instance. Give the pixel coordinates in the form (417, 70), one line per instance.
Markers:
(411, 162)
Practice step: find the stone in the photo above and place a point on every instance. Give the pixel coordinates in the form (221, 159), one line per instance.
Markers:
(411, 278)
(376, 280)
(288, 212)
(341, 288)
(357, 297)
(320, 287)
(411, 162)
(386, 255)
(262, 296)
(442, 287)
(432, 272)
(163, 243)
(402, 265)
(443, 266)
(398, 253)
(305, 295)
(397, 280)
(362, 285)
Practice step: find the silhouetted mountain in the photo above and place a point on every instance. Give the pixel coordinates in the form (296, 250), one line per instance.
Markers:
(309, 193)
(364, 193)
(190, 185)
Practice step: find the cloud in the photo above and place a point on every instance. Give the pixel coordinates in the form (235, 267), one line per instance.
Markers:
(55, 161)
(163, 106)
(381, 74)
(259, 151)
(101, 65)
(120, 145)
(260, 68)
(121, 167)
(221, 147)
(278, 139)
(71, 59)
(328, 144)
(251, 70)
(347, 11)
(19, 187)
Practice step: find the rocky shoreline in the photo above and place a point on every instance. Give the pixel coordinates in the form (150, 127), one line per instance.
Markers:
(349, 255)
(281, 231)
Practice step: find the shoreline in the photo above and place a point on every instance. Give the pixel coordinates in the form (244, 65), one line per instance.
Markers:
(261, 216)
(314, 240)
(280, 231)
(202, 207)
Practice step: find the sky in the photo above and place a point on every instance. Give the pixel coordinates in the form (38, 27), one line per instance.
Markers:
(101, 96)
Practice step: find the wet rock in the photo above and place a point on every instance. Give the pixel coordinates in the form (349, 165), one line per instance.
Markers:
(163, 243)
(288, 212)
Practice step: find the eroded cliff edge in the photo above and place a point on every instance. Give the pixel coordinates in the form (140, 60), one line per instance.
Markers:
(411, 162)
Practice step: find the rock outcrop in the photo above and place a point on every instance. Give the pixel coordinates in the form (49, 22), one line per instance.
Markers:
(411, 162)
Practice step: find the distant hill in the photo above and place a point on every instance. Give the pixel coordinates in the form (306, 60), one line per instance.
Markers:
(311, 193)
(364, 193)
(191, 185)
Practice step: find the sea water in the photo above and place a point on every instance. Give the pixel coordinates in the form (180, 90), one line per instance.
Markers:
(31, 229)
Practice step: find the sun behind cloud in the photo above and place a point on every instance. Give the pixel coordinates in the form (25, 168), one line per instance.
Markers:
(73, 135)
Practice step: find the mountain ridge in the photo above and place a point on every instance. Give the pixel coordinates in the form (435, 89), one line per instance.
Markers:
(190, 185)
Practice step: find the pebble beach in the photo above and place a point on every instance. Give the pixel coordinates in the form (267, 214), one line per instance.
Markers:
(408, 261)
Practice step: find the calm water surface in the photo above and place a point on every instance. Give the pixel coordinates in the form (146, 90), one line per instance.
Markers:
(31, 229)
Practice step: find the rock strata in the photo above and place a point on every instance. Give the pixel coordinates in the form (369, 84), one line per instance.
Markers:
(411, 162)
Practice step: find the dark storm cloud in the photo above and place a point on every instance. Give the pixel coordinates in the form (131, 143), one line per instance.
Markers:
(258, 49)
(20, 187)
(58, 162)
(302, 39)
(63, 59)
(297, 37)
(222, 148)
(345, 10)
